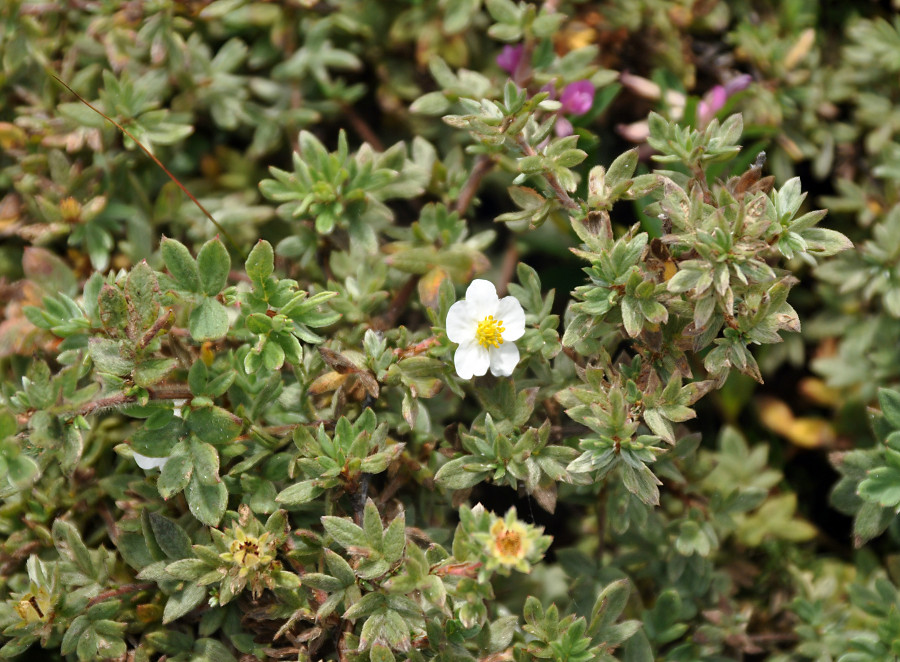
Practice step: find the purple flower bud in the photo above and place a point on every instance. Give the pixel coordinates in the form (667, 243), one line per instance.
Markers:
(563, 127)
(509, 58)
(714, 100)
(578, 97)
(738, 84)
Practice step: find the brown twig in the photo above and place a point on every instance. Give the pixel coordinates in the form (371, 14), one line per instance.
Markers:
(284, 430)
(154, 159)
(111, 529)
(395, 308)
(16, 557)
(362, 127)
(418, 348)
(510, 260)
(561, 193)
(161, 392)
(116, 592)
(483, 166)
(166, 319)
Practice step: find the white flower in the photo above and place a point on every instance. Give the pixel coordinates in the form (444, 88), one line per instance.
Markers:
(147, 463)
(486, 328)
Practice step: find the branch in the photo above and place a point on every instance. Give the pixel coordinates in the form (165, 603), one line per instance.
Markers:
(418, 348)
(398, 303)
(483, 166)
(116, 592)
(561, 193)
(362, 128)
(162, 392)
(154, 159)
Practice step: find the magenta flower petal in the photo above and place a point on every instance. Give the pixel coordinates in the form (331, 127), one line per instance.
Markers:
(563, 127)
(578, 97)
(509, 58)
(738, 84)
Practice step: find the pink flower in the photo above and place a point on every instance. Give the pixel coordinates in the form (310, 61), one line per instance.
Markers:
(510, 57)
(563, 127)
(714, 100)
(578, 97)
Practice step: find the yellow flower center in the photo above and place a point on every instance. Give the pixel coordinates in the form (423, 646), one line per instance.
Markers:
(34, 607)
(510, 543)
(488, 332)
(246, 552)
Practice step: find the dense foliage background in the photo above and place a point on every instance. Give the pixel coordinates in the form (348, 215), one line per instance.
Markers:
(234, 427)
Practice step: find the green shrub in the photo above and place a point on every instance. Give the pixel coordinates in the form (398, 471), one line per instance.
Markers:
(430, 362)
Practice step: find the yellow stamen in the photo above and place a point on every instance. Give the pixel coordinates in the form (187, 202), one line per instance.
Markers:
(488, 332)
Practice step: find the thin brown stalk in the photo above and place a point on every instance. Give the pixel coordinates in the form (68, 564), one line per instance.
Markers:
(362, 127)
(116, 592)
(508, 269)
(561, 193)
(483, 165)
(152, 158)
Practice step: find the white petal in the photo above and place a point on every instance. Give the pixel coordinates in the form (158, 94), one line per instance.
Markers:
(482, 298)
(145, 462)
(504, 359)
(471, 359)
(510, 312)
(461, 324)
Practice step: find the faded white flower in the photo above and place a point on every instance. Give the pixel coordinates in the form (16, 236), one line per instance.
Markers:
(486, 328)
(145, 462)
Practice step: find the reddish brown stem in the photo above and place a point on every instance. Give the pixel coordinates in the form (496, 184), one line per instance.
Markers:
(561, 193)
(166, 319)
(398, 303)
(418, 348)
(362, 128)
(510, 260)
(483, 166)
(116, 592)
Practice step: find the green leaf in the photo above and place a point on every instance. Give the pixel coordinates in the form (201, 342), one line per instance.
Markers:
(151, 371)
(322, 582)
(183, 601)
(208, 321)
(214, 264)
(871, 520)
(21, 470)
(69, 544)
(175, 473)
(207, 502)
(432, 103)
(113, 308)
(345, 533)
(824, 242)
(299, 493)
(372, 525)
(642, 483)
(170, 537)
(459, 474)
(180, 264)
(213, 425)
(107, 356)
(622, 168)
(890, 406)
(395, 539)
(142, 290)
(206, 462)
(261, 262)
(882, 485)
(609, 605)
(188, 569)
(631, 316)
